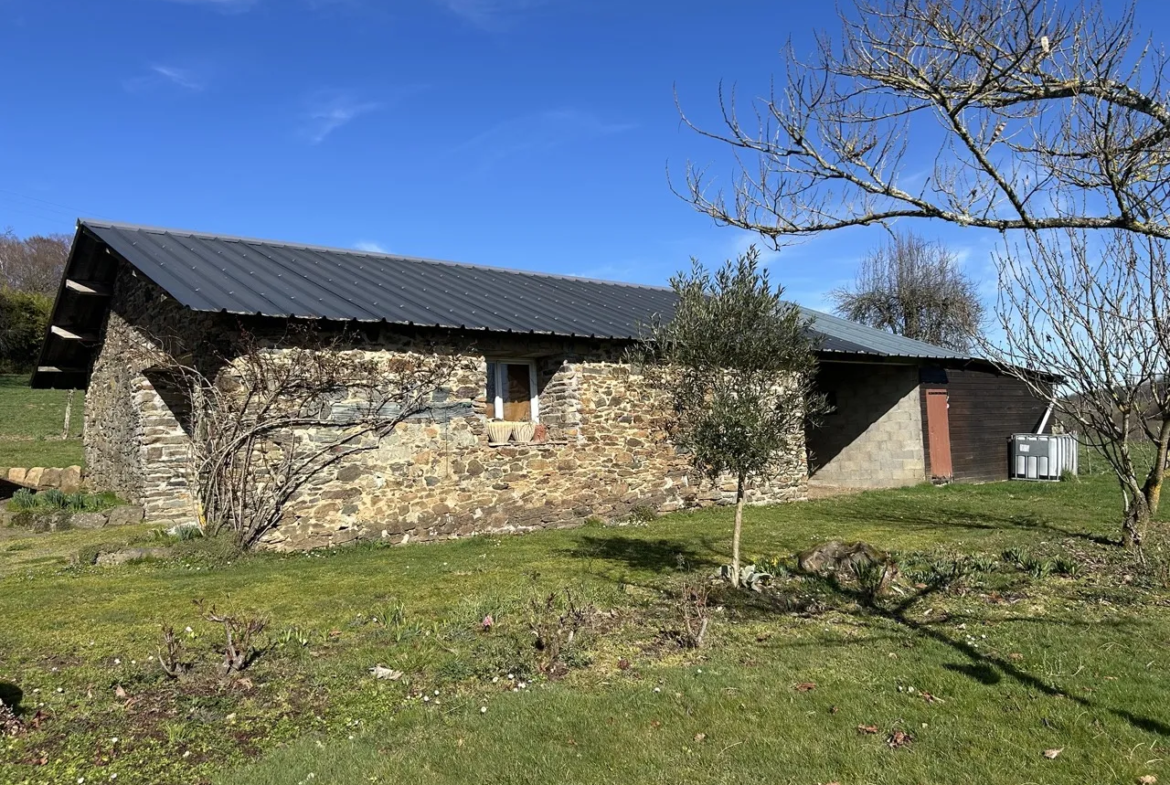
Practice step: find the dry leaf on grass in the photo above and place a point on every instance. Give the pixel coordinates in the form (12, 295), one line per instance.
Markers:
(699, 737)
(1147, 779)
(899, 738)
(806, 686)
(119, 692)
(867, 728)
(1054, 753)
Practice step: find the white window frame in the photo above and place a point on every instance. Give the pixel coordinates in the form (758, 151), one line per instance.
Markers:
(501, 378)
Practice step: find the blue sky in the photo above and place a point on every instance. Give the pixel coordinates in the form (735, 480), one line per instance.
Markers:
(533, 134)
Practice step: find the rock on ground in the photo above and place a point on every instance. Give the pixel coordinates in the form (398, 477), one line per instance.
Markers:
(125, 515)
(839, 558)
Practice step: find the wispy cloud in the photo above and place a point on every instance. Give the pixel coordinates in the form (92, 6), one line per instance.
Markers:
(536, 133)
(162, 75)
(369, 246)
(491, 14)
(329, 111)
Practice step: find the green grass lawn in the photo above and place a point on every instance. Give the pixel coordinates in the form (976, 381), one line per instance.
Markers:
(984, 665)
(31, 422)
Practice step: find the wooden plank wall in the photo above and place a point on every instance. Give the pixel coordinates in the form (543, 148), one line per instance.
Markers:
(986, 408)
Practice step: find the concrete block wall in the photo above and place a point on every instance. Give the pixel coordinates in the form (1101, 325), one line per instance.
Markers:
(874, 438)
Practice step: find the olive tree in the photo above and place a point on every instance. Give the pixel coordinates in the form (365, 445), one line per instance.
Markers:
(735, 364)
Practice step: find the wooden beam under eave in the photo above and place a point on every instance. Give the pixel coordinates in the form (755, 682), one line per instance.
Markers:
(91, 288)
(55, 369)
(69, 335)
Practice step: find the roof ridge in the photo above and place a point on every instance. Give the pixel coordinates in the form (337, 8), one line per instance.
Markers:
(94, 222)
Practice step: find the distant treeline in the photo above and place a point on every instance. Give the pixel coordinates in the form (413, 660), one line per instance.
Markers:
(30, 272)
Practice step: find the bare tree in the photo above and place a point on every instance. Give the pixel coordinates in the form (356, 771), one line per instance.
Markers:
(1030, 115)
(913, 287)
(736, 364)
(267, 416)
(1051, 115)
(34, 264)
(1095, 309)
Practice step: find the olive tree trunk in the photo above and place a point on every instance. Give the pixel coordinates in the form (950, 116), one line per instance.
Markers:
(739, 498)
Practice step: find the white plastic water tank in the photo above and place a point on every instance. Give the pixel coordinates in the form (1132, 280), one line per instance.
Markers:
(1042, 456)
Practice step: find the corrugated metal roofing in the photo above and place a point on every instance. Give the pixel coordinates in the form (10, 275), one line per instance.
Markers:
(239, 275)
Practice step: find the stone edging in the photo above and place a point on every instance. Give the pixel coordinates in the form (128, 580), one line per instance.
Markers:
(70, 479)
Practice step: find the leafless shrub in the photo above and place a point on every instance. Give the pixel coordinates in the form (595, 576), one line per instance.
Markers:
(266, 416)
(240, 632)
(695, 613)
(556, 622)
(171, 654)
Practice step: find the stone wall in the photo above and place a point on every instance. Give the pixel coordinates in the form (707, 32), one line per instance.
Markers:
(607, 454)
(873, 439)
(434, 476)
(135, 444)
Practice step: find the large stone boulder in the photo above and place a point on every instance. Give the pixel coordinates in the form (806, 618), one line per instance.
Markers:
(125, 515)
(88, 520)
(842, 559)
(71, 479)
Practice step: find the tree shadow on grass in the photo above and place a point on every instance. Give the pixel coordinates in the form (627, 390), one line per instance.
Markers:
(984, 667)
(647, 555)
(978, 521)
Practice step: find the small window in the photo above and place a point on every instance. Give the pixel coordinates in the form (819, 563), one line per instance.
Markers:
(511, 390)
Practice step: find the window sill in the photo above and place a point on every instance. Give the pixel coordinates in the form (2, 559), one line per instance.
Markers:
(549, 443)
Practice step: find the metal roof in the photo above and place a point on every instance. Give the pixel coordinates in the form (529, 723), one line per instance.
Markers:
(237, 275)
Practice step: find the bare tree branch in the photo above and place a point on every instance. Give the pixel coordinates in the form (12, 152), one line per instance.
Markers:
(1050, 117)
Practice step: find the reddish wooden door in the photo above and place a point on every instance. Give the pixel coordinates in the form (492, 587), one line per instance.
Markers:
(938, 429)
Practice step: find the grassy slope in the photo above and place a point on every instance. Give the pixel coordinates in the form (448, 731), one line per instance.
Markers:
(31, 421)
(1073, 664)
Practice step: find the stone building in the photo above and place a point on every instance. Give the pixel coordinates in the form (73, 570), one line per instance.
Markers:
(543, 349)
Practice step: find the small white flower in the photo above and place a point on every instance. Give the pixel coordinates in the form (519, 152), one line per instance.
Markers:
(114, 776)
(483, 709)
(187, 754)
(700, 670)
(426, 699)
(60, 690)
(117, 661)
(657, 689)
(351, 737)
(523, 686)
(495, 679)
(436, 692)
(510, 677)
